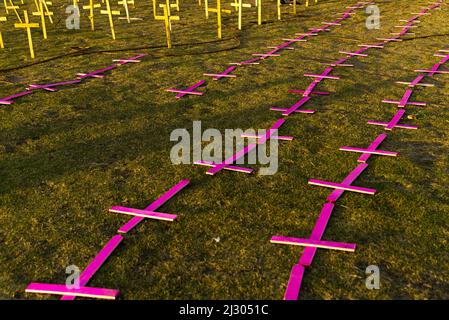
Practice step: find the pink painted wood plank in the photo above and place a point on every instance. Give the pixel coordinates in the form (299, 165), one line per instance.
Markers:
(374, 145)
(51, 86)
(384, 124)
(417, 80)
(369, 151)
(405, 97)
(307, 92)
(420, 104)
(143, 213)
(8, 100)
(372, 149)
(353, 54)
(340, 186)
(296, 111)
(220, 166)
(270, 132)
(336, 194)
(395, 120)
(293, 108)
(320, 76)
(224, 74)
(229, 167)
(349, 247)
(130, 60)
(96, 73)
(97, 262)
(296, 275)
(317, 233)
(188, 91)
(294, 282)
(155, 205)
(59, 289)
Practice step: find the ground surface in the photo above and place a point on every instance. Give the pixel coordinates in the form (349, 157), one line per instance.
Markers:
(66, 157)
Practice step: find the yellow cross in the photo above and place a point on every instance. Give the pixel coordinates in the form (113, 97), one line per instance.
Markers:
(48, 13)
(218, 10)
(91, 6)
(239, 5)
(125, 3)
(172, 5)
(27, 25)
(2, 45)
(12, 6)
(41, 13)
(175, 5)
(110, 13)
(167, 18)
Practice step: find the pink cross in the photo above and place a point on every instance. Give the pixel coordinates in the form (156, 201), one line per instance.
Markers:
(143, 213)
(351, 54)
(349, 247)
(129, 60)
(372, 149)
(432, 72)
(8, 100)
(321, 76)
(149, 212)
(405, 100)
(297, 272)
(309, 91)
(340, 188)
(416, 82)
(394, 122)
(96, 73)
(51, 86)
(226, 165)
(294, 108)
(189, 90)
(84, 278)
(224, 74)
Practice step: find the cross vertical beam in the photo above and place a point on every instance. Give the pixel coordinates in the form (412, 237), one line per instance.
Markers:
(28, 26)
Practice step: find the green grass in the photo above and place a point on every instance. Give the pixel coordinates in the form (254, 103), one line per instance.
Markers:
(66, 157)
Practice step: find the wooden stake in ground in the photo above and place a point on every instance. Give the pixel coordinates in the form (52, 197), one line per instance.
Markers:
(239, 6)
(167, 18)
(41, 13)
(206, 8)
(91, 6)
(110, 13)
(28, 26)
(218, 10)
(2, 45)
(259, 11)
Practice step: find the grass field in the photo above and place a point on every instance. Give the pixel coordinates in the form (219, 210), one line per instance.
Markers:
(67, 156)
